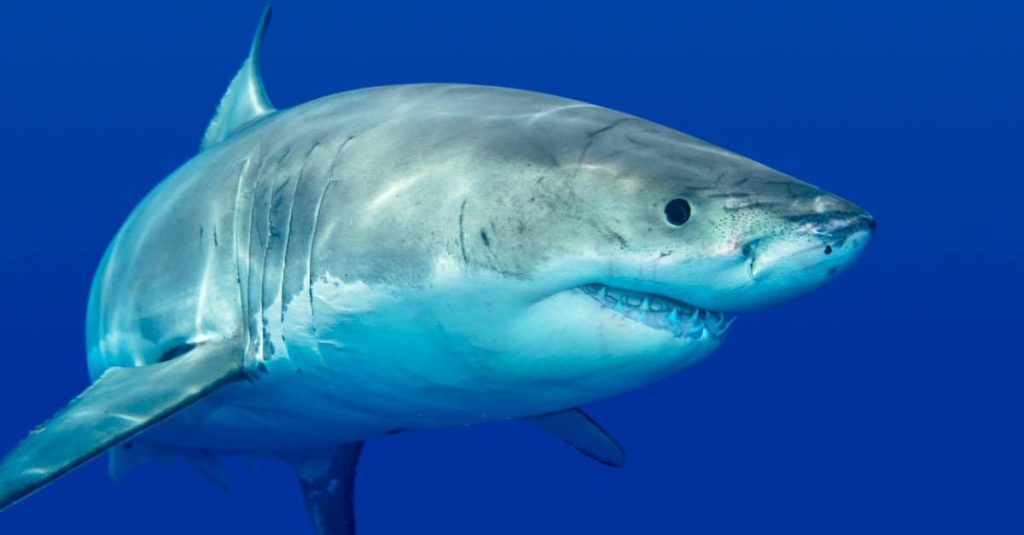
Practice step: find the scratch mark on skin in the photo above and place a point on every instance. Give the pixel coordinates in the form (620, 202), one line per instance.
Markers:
(608, 127)
(462, 232)
(751, 206)
(618, 237)
(637, 142)
(592, 136)
(728, 195)
(216, 241)
(551, 111)
(483, 236)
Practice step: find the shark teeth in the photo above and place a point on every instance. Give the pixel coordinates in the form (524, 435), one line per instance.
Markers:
(720, 325)
(683, 320)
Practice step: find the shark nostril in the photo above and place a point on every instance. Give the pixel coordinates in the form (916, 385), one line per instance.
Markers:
(828, 249)
(872, 225)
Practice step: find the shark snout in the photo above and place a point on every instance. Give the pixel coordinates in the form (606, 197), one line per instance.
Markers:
(814, 250)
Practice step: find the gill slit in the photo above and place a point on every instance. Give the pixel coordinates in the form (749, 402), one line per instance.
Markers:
(288, 228)
(244, 168)
(273, 193)
(316, 228)
(249, 257)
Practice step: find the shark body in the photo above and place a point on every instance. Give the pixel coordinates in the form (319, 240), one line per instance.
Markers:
(417, 256)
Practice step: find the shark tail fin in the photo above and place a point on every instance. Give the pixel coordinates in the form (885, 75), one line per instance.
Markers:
(328, 481)
(120, 404)
(245, 101)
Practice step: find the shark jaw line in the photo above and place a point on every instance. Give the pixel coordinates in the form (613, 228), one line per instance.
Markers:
(681, 319)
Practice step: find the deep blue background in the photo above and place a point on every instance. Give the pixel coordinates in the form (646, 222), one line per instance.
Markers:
(887, 402)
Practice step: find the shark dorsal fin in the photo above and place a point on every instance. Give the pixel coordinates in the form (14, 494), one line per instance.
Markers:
(245, 100)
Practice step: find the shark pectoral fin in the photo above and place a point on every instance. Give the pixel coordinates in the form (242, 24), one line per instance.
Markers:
(120, 404)
(245, 100)
(327, 485)
(577, 429)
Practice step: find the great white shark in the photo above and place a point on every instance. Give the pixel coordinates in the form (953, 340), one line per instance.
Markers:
(420, 256)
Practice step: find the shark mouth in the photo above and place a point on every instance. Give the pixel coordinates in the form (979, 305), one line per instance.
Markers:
(683, 320)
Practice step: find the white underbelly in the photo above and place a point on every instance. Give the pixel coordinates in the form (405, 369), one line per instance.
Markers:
(364, 364)
(296, 405)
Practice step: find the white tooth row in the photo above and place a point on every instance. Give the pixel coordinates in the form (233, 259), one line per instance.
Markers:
(680, 318)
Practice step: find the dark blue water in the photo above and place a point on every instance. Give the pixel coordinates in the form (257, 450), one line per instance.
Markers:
(887, 402)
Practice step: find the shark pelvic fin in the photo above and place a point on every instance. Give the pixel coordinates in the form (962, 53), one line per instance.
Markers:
(131, 454)
(119, 405)
(577, 429)
(328, 482)
(245, 101)
(208, 465)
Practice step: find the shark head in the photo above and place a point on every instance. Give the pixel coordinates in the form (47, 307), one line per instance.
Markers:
(626, 252)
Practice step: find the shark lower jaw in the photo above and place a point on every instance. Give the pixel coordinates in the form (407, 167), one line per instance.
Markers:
(659, 312)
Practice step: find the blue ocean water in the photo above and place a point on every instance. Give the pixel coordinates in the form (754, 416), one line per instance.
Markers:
(886, 402)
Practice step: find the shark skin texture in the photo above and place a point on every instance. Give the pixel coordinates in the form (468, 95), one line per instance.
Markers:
(420, 256)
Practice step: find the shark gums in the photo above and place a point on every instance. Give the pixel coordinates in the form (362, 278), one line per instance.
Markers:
(420, 256)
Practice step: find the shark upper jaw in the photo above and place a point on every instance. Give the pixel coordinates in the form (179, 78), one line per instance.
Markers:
(618, 297)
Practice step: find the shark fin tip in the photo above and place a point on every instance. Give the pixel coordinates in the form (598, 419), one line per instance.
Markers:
(245, 100)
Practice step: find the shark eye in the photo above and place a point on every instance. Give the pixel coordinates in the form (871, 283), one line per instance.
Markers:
(677, 211)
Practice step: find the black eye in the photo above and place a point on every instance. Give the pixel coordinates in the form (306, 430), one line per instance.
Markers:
(677, 211)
